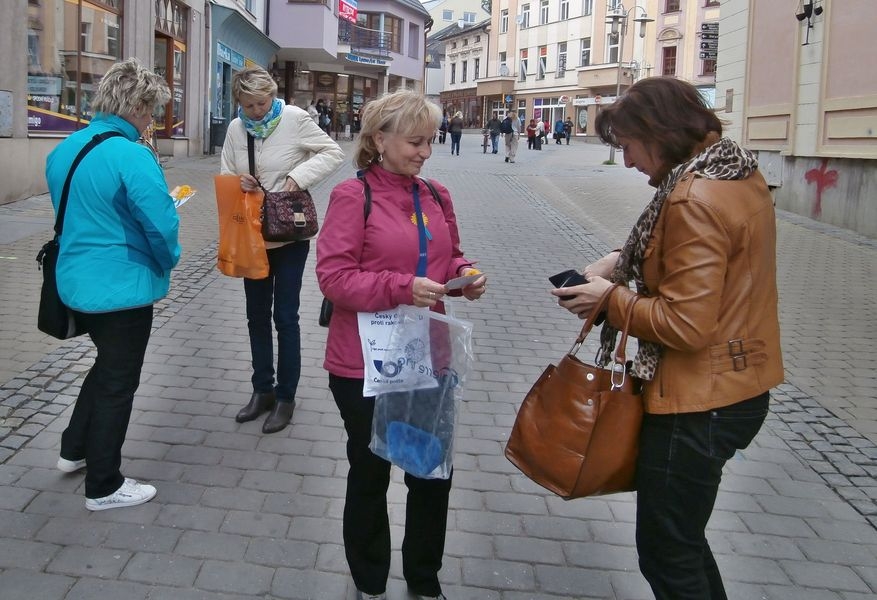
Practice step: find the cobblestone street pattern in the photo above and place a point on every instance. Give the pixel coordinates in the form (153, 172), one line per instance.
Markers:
(242, 515)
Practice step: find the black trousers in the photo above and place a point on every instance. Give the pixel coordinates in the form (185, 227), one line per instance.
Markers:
(366, 522)
(679, 469)
(100, 417)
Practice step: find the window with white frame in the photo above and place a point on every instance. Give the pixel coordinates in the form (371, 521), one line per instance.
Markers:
(504, 20)
(612, 48)
(522, 75)
(464, 74)
(543, 12)
(525, 16)
(469, 17)
(476, 68)
(447, 15)
(585, 56)
(587, 7)
(542, 65)
(564, 10)
(561, 59)
(453, 71)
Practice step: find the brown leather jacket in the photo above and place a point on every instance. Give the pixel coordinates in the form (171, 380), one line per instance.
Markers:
(711, 265)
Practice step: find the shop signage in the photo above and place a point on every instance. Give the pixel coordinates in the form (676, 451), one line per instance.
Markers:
(563, 99)
(226, 54)
(508, 99)
(365, 60)
(592, 101)
(347, 10)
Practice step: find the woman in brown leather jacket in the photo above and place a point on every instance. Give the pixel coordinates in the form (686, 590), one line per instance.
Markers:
(702, 257)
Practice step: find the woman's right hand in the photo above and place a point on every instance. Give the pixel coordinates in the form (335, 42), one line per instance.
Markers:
(249, 183)
(603, 267)
(427, 292)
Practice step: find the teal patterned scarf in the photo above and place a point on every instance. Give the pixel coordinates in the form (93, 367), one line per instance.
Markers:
(263, 127)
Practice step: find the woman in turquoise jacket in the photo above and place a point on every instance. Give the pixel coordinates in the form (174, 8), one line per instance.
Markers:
(118, 247)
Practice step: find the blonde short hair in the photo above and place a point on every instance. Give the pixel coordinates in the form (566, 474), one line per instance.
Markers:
(403, 112)
(253, 81)
(128, 87)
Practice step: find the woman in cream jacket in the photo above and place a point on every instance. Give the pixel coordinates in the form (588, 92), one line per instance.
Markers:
(290, 153)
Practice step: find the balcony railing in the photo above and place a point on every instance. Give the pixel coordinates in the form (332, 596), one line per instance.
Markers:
(365, 41)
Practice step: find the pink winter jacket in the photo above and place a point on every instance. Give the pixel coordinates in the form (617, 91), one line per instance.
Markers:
(366, 265)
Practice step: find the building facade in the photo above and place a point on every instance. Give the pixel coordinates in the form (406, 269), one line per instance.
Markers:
(48, 89)
(797, 85)
(465, 50)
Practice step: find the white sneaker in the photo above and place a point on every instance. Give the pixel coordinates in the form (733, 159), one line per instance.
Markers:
(130, 494)
(70, 466)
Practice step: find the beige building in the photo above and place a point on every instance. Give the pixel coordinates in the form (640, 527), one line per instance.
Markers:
(554, 59)
(798, 83)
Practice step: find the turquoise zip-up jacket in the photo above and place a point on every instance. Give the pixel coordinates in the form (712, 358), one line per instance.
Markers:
(120, 236)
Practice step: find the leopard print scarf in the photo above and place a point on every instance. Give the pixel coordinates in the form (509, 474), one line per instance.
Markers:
(722, 160)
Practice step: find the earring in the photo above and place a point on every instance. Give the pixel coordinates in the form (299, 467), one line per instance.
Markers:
(380, 158)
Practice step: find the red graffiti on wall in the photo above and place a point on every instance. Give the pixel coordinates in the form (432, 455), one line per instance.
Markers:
(823, 179)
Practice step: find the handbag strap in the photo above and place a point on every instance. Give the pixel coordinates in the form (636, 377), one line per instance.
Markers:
(589, 322)
(251, 159)
(620, 359)
(62, 203)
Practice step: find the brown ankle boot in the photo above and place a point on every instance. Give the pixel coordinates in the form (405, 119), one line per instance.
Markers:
(259, 403)
(279, 418)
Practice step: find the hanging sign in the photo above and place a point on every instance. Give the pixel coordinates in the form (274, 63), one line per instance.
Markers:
(347, 10)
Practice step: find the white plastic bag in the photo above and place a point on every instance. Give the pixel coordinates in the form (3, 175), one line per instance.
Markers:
(416, 411)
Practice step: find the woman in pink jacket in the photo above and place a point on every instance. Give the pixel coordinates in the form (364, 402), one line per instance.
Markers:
(368, 255)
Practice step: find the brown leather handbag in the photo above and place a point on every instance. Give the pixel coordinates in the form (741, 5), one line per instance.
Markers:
(577, 431)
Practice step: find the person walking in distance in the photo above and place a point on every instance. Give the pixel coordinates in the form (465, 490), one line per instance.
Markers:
(567, 129)
(493, 127)
(511, 130)
(119, 245)
(456, 129)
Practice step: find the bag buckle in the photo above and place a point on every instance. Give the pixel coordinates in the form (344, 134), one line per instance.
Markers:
(618, 371)
(298, 219)
(738, 357)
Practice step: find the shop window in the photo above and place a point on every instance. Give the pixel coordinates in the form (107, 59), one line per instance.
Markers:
(170, 61)
(61, 81)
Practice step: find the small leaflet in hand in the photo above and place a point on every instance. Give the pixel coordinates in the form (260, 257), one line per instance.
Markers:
(181, 194)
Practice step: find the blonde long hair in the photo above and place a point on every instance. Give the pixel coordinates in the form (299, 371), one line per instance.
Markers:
(402, 112)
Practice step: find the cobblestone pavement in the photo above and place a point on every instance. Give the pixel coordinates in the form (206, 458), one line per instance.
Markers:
(243, 515)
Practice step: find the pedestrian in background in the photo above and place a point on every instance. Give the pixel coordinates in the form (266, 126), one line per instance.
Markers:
(314, 113)
(456, 130)
(119, 245)
(558, 132)
(703, 258)
(291, 153)
(493, 125)
(531, 134)
(567, 129)
(511, 137)
(443, 128)
(365, 263)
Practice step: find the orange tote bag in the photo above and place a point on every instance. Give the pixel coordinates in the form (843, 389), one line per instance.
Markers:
(241, 247)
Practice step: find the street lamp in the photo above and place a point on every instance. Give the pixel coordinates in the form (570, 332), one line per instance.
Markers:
(617, 21)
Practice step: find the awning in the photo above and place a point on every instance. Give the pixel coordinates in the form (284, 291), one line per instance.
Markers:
(236, 32)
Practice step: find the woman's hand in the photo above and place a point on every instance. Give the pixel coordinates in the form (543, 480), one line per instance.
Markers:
(249, 183)
(586, 296)
(290, 185)
(427, 292)
(476, 289)
(603, 267)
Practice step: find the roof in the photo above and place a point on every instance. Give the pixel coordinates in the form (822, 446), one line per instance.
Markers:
(452, 31)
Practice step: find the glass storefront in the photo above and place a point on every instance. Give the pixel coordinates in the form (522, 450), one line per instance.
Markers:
(70, 45)
(344, 94)
(171, 23)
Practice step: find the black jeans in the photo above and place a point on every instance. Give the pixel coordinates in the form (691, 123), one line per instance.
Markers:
(281, 289)
(679, 469)
(366, 522)
(99, 422)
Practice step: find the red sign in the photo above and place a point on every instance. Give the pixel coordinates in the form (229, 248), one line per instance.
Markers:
(347, 10)
(598, 99)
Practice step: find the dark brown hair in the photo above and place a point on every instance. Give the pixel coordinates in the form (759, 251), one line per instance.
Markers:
(664, 113)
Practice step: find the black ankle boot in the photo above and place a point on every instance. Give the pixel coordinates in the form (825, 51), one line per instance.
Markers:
(279, 417)
(259, 403)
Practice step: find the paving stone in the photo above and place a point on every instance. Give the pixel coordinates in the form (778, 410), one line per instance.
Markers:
(81, 561)
(235, 577)
(21, 584)
(166, 569)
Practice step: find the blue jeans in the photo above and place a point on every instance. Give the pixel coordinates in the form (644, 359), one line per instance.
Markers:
(100, 418)
(494, 140)
(679, 469)
(455, 142)
(281, 289)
